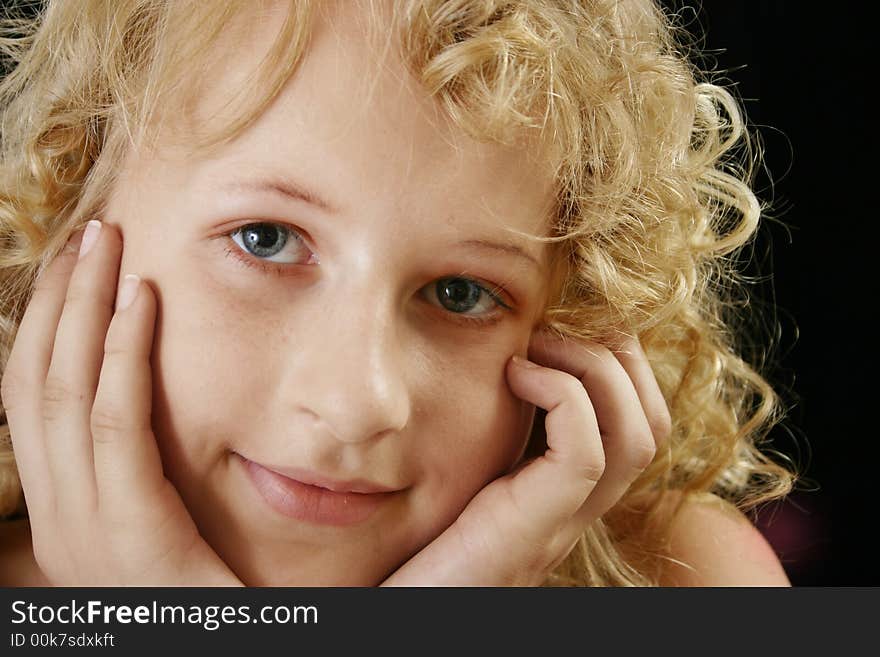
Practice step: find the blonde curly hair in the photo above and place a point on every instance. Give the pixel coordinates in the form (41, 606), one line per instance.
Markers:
(652, 170)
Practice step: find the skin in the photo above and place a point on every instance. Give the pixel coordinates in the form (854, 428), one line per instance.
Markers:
(375, 406)
(341, 365)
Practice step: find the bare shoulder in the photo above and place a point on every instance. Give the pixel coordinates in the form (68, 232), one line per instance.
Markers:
(713, 544)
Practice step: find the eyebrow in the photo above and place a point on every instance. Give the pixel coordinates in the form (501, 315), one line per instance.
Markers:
(286, 188)
(291, 190)
(497, 247)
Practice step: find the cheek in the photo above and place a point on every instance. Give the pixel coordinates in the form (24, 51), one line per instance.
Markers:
(479, 432)
(209, 373)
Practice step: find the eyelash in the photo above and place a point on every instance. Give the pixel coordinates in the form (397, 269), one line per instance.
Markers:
(267, 267)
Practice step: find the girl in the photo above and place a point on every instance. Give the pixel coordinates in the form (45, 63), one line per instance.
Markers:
(335, 257)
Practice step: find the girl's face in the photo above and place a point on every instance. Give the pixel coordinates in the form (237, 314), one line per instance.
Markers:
(325, 312)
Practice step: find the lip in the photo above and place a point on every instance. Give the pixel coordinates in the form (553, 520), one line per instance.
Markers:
(313, 498)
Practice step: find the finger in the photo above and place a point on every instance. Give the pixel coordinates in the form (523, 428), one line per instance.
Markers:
(553, 487)
(635, 362)
(128, 467)
(25, 375)
(626, 435)
(76, 361)
(512, 526)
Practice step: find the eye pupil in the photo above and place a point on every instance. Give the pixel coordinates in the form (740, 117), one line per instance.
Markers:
(461, 294)
(264, 239)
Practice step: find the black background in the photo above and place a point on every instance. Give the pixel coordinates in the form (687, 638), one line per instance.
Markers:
(802, 73)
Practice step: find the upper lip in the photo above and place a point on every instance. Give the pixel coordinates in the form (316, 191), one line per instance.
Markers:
(362, 486)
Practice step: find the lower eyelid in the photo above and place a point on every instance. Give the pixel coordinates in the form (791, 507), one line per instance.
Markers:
(476, 321)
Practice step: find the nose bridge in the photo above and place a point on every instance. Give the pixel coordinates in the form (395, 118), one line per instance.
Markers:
(355, 381)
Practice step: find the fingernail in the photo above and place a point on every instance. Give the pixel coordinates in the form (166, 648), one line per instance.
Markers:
(90, 236)
(522, 362)
(128, 291)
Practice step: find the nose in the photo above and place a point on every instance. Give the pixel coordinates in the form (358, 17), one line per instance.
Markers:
(351, 377)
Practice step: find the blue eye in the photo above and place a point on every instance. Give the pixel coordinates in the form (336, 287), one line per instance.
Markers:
(266, 241)
(263, 240)
(463, 296)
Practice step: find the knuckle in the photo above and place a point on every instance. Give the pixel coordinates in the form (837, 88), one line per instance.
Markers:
(630, 344)
(81, 293)
(599, 352)
(114, 348)
(592, 469)
(571, 386)
(77, 292)
(58, 394)
(661, 424)
(46, 283)
(107, 421)
(629, 349)
(643, 453)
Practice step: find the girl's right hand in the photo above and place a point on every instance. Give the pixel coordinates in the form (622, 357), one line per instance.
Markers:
(77, 392)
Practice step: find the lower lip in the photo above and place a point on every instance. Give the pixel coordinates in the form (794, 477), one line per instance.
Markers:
(313, 504)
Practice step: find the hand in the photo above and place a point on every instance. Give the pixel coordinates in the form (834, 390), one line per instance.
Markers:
(78, 399)
(605, 419)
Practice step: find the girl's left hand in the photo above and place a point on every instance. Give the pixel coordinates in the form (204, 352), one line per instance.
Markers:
(605, 419)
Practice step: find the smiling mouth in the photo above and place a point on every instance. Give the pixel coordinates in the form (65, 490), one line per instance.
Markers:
(331, 503)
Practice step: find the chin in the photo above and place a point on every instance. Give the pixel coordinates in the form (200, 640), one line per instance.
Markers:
(328, 575)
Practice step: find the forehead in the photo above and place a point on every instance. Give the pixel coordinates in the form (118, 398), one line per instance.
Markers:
(355, 126)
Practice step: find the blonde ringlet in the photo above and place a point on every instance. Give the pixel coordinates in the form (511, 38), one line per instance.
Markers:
(653, 203)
